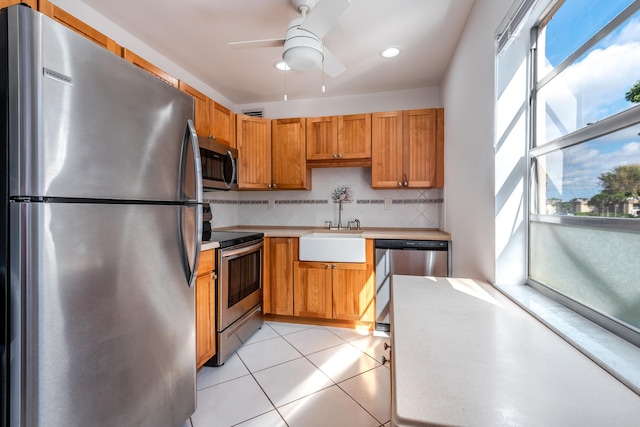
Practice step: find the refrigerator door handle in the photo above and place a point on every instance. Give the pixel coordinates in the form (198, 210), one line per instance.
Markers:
(191, 138)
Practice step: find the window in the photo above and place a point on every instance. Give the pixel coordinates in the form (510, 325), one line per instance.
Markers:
(584, 221)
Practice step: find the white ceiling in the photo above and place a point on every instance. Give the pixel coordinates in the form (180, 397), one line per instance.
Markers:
(195, 34)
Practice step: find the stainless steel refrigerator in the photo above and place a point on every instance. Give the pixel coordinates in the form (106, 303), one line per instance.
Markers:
(100, 229)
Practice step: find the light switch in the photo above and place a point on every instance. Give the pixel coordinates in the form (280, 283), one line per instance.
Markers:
(387, 204)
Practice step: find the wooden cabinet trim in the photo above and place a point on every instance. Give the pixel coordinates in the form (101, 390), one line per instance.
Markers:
(149, 67)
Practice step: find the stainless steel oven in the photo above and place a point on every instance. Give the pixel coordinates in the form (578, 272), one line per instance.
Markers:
(238, 291)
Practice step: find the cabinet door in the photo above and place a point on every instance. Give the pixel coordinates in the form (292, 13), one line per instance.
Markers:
(288, 155)
(222, 124)
(149, 67)
(440, 148)
(280, 253)
(354, 289)
(419, 152)
(205, 319)
(53, 11)
(386, 149)
(201, 115)
(312, 289)
(322, 138)
(349, 291)
(354, 136)
(254, 152)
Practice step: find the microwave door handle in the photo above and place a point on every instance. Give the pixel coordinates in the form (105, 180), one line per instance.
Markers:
(191, 139)
(233, 169)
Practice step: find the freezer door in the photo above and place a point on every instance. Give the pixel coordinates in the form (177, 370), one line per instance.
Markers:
(102, 315)
(85, 123)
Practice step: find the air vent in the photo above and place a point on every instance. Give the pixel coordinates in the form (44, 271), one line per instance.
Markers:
(253, 113)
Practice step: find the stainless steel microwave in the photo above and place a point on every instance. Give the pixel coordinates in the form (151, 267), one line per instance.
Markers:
(219, 165)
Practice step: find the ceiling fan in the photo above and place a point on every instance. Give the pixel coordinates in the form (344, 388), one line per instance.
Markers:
(303, 49)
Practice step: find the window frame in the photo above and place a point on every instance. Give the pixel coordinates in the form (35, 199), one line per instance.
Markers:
(616, 122)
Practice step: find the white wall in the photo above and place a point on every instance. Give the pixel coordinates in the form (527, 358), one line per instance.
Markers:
(468, 100)
(428, 97)
(409, 207)
(125, 39)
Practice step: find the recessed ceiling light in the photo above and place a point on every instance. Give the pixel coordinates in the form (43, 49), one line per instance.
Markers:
(390, 52)
(281, 65)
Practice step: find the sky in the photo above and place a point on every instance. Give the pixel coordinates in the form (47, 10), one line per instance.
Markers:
(589, 90)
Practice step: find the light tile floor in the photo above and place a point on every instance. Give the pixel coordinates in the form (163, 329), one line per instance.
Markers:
(290, 375)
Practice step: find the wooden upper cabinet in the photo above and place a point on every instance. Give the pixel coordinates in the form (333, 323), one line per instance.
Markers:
(288, 155)
(439, 147)
(354, 136)
(6, 3)
(322, 138)
(221, 124)
(408, 149)
(386, 149)
(419, 148)
(148, 66)
(254, 152)
(200, 103)
(339, 140)
(78, 26)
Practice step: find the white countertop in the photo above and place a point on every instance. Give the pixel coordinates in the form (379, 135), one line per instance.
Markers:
(464, 354)
(367, 232)
(209, 245)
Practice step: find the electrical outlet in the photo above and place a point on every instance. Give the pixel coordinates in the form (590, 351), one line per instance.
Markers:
(271, 205)
(387, 204)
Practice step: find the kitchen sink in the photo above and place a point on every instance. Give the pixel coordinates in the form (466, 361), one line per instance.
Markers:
(333, 246)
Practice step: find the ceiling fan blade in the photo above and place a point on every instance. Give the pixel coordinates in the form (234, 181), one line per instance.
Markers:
(332, 65)
(324, 16)
(251, 44)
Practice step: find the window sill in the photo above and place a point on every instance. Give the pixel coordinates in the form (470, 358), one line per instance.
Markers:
(615, 355)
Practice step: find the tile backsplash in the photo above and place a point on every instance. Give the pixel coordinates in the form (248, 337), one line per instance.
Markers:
(409, 208)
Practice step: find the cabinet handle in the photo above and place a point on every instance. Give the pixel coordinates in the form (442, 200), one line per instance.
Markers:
(386, 346)
(399, 184)
(288, 240)
(214, 276)
(385, 360)
(274, 186)
(406, 184)
(339, 155)
(334, 155)
(326, 266)
(334, 266)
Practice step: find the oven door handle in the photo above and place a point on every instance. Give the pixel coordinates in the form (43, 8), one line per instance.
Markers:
(236, 252)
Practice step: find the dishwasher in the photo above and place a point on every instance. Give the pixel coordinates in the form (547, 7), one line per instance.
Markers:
(408, 257)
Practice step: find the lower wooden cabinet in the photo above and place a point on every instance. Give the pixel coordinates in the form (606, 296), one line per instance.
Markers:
(312, 291)
(205, 309)
(279, 256)
(344, 291)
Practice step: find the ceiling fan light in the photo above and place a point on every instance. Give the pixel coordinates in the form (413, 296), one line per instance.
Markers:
(390, 52)
(281, 65)
(303, 58)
